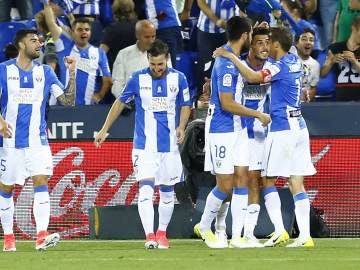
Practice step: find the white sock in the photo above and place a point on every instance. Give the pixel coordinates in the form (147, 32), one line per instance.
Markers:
(41, 208)
(7, 212)
(273, 207)
(220, 224)
(302, 213)
(166, 206)
(239, 202)
(251, 219)
(146, 208)
(212, 206)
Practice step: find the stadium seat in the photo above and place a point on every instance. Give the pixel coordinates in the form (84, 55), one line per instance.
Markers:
(7, 33)
(186, 63)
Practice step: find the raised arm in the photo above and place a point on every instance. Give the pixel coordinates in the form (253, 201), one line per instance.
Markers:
(68, 98)
(210, 14)
(54, 28)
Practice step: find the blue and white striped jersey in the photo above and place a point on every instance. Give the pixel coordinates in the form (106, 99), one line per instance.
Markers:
(225, 77)
(157, 102)
(81, 7)
(162, 13)
(24, 95)
(223, 9)
(91, 65)
(256, 96)
(286, 85)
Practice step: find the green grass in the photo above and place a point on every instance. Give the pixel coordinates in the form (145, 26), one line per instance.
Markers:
(343, 254)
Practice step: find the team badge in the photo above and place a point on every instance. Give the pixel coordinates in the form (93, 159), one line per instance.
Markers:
(227, 80)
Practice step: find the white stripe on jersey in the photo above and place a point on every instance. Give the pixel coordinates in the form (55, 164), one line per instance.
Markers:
(145, 82)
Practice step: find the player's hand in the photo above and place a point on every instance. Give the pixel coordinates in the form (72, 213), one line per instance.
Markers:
(100, 137)
(180, 134)
(96, 97)
(222, 52)
(349, 56)
(263, 24)
(70, 63)
(265, 119)
(5, 129)
(306, 95)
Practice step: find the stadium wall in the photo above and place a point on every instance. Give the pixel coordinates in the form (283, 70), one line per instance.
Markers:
(85, 176)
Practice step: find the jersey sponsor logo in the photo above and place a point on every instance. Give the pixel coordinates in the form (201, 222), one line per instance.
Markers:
(227, 80)
(159, 104)
(87, 65)
(255, 91)
(145, 88)
(26, 96)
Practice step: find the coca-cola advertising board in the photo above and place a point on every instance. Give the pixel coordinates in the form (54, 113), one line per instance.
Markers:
(86, 176)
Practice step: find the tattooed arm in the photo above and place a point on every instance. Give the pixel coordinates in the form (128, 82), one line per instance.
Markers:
(68, 98)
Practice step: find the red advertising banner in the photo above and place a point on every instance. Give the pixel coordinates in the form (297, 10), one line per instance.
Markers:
(85, 176)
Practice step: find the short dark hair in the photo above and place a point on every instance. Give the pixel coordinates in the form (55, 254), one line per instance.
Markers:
(260, 31)
(306, 30)
(236, 26)
(22, 34)
(10, 51)
(283, 36)
(80, 20)
(157, 48)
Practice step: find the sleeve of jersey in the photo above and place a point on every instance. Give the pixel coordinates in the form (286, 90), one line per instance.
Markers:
(226, 78)
(56, 87)
(130, 89)
(104, 64)
(271, 73)
(184, 93)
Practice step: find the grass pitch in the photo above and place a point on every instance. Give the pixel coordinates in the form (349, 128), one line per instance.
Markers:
(343, 254)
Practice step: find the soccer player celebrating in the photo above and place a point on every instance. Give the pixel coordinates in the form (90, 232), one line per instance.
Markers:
(226, 150)
(287, 146)
(158, 91)
(25, 86)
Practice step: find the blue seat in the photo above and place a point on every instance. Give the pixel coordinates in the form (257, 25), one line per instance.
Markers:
(186, 63)
(7, 33)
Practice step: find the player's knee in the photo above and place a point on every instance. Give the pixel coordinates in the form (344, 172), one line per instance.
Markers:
(167, 195)
(146, 191)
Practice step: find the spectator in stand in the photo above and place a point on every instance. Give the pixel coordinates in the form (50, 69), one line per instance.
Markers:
(327, 10)
(293, 14)
(211, 32)
(93, 78)
(345, 56)
(304, 46)
(113, 38)
(24, 7)
(164, 16)
(347, 11)
(134, 57)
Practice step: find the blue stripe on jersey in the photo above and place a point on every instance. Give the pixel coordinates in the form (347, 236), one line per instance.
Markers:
(139, 134)
(81, 77)
(162, 132)
(22, 131)
(4, 97)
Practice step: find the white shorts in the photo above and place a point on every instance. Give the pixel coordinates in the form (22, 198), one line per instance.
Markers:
(287, 153)
(165, 168)
(18, 164)
(256, 153)
(224, 151)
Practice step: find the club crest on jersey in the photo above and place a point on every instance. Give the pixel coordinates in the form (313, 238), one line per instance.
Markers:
(218, 163)
(25, 79)
(38, 78)
(173, 88)
(159, 89)
(227, 80)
